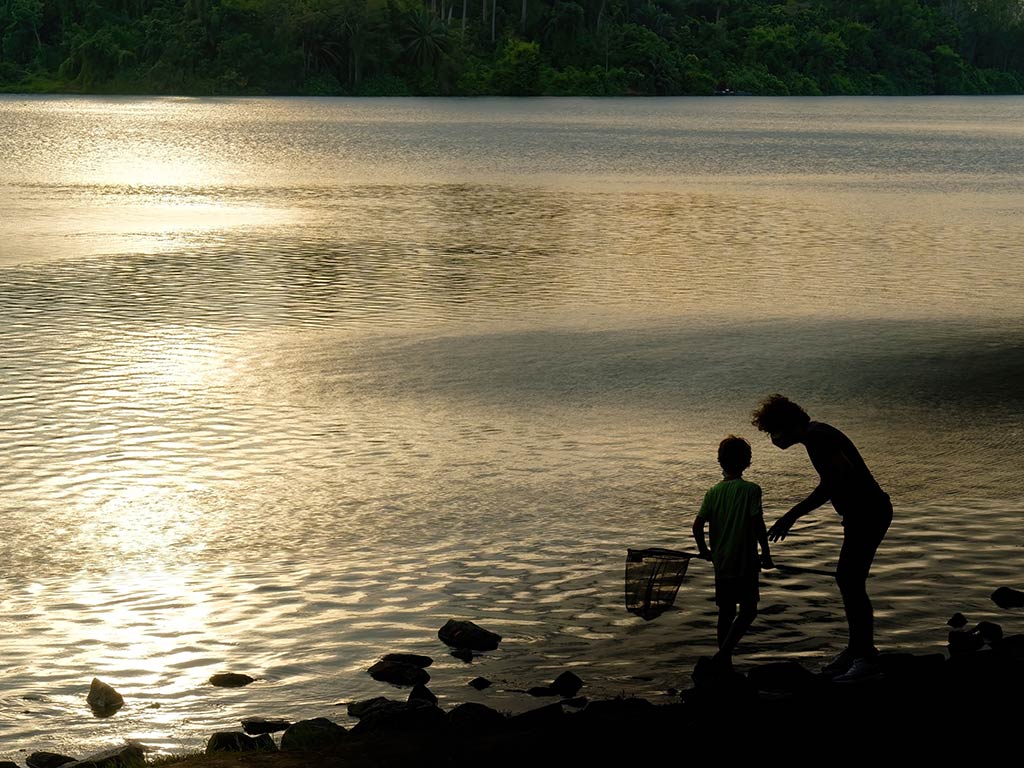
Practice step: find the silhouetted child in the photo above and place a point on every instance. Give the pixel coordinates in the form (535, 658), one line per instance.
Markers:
(733, 510)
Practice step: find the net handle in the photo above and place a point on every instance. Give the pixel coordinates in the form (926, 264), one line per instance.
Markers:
(780, 567)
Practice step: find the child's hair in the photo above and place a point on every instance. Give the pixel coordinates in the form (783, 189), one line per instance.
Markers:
(776, 413)
(734, 454)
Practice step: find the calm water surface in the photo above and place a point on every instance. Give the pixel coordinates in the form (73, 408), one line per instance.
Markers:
(287, 383)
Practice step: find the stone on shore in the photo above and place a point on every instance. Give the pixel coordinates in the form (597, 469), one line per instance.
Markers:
(957, 621)
(8, 764)
(462, 654)
(230, 680)
(236, 741)
(358, 709)
(541, 717)
(1005, 597)
(409, 658)
(422, 693)
(103, 699)
(254, 726)
(567, 685)
(542, 690)
(480, 683)
(991, 632)
(467, 635)
(48, 760)
(474, 717)
(130, 755)
(402, 716)
(961, 641)
(399, 673)
(312, 735)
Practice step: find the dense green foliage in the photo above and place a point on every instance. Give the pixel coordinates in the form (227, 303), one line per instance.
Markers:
(515, 47)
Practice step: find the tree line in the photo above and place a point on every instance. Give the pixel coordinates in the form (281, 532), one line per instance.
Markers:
(513, 47)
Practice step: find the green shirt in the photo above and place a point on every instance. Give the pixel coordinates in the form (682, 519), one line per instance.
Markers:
(731, 508)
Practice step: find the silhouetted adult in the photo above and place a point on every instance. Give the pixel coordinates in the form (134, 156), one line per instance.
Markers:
(864, 507)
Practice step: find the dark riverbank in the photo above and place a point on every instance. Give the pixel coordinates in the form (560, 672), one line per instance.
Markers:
(923, 706)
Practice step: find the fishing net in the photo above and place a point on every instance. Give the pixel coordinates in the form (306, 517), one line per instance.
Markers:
(653, 577)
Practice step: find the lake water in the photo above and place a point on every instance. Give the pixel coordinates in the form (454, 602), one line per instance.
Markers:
(287, 383)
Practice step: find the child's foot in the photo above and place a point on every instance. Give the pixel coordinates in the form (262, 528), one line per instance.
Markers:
(722, 661)
(840, 664)
(861, 669)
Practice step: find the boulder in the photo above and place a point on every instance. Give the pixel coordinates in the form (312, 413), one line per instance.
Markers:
(957, 621)
(991, 633)
(409, 658)
(462, 654)
(566, 684)
(405, 716)
(230, 680)
(475, 717)
(1005, 597)
(480, 683)
(103, 699)
(399, 673)
(422, 693)
(48, 760)
(359, 709)
(964, 642)
(312, 735)
(236, 741)
(466, 634)
(254, 726)
(131, 755)
(8, 764)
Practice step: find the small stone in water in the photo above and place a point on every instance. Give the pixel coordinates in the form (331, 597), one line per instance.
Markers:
(230, 680)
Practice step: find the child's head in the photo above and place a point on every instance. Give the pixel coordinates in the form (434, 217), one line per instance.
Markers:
(734, 455)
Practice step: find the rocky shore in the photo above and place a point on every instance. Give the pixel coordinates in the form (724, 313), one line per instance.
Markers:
(960, 698)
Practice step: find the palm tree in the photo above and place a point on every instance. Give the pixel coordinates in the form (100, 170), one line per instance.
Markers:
(425, 37)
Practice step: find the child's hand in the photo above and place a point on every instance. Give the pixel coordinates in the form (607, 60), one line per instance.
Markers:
(767, 563)
(704, 554)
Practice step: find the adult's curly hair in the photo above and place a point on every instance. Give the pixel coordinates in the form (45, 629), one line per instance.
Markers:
(776, 413)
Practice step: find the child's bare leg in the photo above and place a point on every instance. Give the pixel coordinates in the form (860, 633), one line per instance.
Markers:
(726, 615)
(747, 614)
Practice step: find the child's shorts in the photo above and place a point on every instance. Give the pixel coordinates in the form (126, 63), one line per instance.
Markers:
(744, 591)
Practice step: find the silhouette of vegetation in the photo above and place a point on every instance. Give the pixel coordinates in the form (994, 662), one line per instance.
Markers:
(513, 47)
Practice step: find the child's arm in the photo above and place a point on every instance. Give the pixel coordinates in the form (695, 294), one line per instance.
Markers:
(762, 539)
(698, 535)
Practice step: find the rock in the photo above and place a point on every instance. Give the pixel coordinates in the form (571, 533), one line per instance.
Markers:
(236, 741)
(577, 702)
(1012, 646)
(476, 717)
(989, 631)
(8, 764)
(480, 683)
(398, 673)
(957, 621)
(466, 634)
(103, 699)
(230, 680)
(409, 658)
(542, 690)
(463, 654)
(785, 676)
(254, 726)
(616, 711)
(542, 717)
(47, 760)
(964, 642)
(131, 755)
(312, 735)
(359, 709)
(1005, 597)
(422, 693)
(404, 716)
(567, 685)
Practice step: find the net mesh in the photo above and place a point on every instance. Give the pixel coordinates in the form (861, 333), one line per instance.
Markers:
(653, 577)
